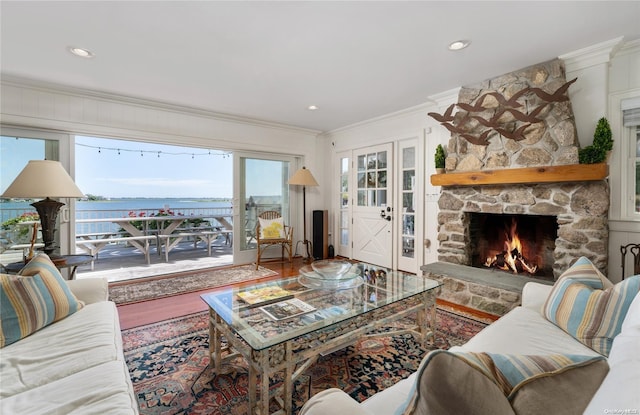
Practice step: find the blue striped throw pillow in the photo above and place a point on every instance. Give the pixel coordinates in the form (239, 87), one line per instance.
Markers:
(592, 316)
(31, 302)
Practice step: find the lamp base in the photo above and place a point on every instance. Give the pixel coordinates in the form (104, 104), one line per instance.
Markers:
(48, 211)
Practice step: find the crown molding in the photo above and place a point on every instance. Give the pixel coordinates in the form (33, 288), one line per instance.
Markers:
(592, 55)
(407, 111)
(48, 87)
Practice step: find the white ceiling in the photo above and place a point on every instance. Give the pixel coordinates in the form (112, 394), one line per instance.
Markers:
(270, 60)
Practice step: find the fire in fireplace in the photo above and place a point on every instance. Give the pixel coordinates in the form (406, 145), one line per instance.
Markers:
(520, 244)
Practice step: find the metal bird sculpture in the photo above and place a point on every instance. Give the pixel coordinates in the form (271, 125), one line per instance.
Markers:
(446, 117)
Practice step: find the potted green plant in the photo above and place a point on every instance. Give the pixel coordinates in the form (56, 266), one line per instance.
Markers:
(601, 147)
(439, 159)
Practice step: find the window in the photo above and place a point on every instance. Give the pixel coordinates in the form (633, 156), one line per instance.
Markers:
(631, 122)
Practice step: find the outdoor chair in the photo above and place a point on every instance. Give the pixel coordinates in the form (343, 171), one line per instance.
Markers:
(270, 231)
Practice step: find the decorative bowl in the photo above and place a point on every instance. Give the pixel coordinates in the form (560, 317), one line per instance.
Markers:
(331, 269)
(347, 284)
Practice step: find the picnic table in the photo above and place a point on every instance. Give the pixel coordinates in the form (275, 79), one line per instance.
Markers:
(164, 230)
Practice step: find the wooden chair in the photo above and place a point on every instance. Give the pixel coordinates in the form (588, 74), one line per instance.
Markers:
(633, 249)
(263, 242)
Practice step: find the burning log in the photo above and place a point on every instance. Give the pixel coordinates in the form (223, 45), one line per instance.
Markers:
(511, 261)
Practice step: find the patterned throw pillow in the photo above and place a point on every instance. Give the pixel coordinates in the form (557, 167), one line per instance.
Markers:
(271, 228)
(593, 317)
(32, 300)
(488, 384)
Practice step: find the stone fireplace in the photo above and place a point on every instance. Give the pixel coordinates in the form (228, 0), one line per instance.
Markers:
(518, 244)
(579, 208)
(503, 164)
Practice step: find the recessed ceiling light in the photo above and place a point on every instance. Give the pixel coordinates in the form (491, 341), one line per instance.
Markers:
(83, 53)
(312, 107)
(459, 44)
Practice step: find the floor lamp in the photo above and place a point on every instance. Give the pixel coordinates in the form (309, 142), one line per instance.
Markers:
(44, 178)
(304, 178)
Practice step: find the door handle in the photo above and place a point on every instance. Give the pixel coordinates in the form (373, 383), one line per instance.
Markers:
(383, 214)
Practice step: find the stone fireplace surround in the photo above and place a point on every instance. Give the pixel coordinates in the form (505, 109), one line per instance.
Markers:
(581, 204)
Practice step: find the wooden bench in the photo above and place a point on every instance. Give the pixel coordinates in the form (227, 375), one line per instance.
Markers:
(172, 240)
(93, 246)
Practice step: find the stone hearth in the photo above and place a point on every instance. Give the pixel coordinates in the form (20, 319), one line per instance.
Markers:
(491, 291)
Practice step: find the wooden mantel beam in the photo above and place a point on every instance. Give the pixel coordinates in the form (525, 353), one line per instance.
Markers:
(544, 174)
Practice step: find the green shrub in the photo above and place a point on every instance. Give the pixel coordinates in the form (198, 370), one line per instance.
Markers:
(439, 157)
(602, 144)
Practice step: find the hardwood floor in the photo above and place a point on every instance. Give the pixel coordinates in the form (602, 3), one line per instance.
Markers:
(147, 312)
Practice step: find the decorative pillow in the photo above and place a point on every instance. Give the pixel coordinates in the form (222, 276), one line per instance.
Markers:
(585, 272)
(593, 317)
(33, 300)
(485, 383)
(271, 228)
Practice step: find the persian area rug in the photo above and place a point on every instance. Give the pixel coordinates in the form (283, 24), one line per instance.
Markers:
(153, 288)
(168, 363)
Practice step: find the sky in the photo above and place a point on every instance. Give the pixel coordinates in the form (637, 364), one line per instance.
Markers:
(117, 168)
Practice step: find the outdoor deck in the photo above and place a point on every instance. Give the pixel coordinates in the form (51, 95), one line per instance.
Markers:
(118, 262)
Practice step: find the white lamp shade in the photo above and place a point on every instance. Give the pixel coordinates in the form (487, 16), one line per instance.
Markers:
(43, 178)
(303, 177)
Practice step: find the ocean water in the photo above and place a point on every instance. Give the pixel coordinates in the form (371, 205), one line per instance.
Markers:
(121, 207)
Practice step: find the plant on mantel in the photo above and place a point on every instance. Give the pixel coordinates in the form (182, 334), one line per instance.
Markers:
(439, 158)
(602, 144)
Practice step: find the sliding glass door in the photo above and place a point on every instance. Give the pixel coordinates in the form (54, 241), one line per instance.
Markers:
(260, 184)
(17, 147)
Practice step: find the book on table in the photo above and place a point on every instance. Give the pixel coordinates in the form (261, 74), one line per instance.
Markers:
(287, 309)
(268, 294)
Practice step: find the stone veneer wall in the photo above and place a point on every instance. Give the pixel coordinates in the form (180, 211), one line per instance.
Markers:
(582, 210)
(551, 142)
(581, 207)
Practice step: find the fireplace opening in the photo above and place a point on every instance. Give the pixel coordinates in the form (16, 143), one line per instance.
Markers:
(518, 244)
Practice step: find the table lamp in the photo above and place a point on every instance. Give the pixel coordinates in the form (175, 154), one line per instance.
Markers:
(304, 178)
(44, 178)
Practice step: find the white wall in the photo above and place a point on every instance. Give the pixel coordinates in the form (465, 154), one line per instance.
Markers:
(624, 82)
(35, 105)
(413, 122)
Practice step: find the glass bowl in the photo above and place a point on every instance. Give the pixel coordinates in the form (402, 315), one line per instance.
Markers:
(331, 270)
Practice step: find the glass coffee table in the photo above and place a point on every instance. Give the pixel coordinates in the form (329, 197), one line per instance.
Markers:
(283, 326)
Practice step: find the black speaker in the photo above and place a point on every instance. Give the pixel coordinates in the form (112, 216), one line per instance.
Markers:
(320, 238)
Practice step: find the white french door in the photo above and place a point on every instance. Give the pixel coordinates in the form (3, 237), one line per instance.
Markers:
(409, 202)
(373, 205)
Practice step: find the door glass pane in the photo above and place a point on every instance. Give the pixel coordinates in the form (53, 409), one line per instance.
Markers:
(372, 180)
(408, 249)
(344, 201)
(382, 160)
(408, 158)
(264, 187)
(408, 209)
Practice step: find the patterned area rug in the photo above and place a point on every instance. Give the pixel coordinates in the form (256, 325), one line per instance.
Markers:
(184, 282)
(168, 366)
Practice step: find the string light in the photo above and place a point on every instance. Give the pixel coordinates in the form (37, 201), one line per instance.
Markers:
(169, 153)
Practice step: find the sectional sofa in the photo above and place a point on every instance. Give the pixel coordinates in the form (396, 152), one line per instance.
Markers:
(570, 348)
(62, 346)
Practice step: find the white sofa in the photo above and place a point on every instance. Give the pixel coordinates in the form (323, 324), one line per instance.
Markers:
(522, 331)
(73, 366)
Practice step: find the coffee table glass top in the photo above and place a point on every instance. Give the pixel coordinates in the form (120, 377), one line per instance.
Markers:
(269, 313)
